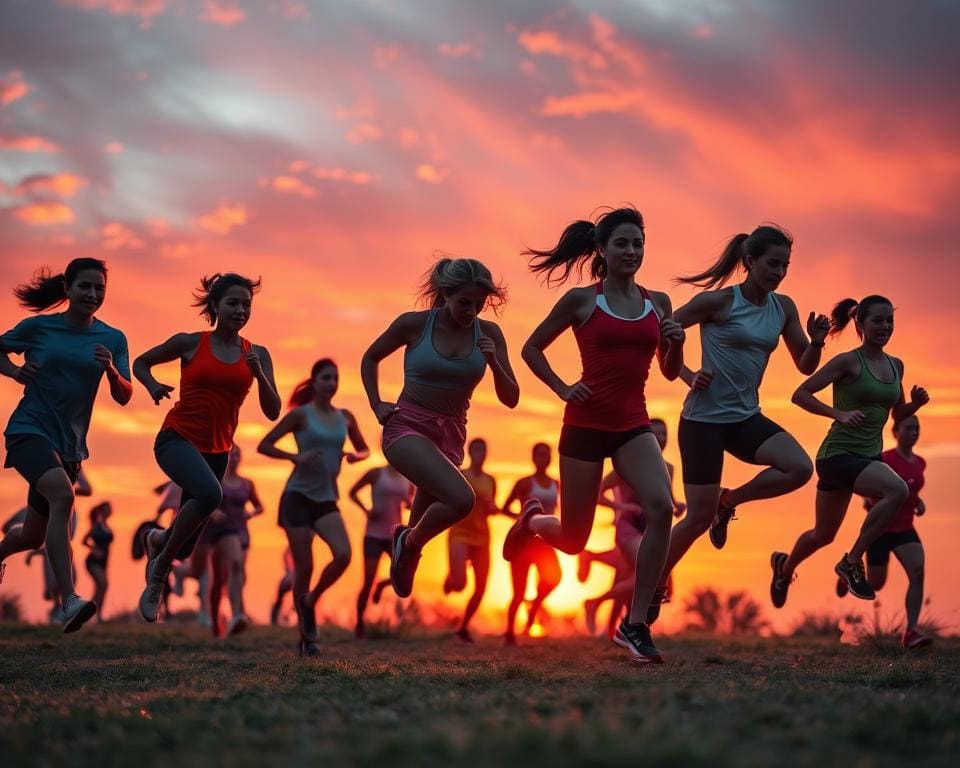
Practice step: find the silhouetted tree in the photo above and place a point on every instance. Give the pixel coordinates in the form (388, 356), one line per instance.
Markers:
(737, 614)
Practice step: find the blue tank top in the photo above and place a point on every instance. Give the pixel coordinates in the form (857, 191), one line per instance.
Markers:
(425, 366)
(317, 480)
(737, 351)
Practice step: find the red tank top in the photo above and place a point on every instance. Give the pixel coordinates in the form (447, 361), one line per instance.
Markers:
(615, 354)
(912, 474)
(211, 393)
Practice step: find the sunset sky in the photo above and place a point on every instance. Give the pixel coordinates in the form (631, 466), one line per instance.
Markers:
(334, 148)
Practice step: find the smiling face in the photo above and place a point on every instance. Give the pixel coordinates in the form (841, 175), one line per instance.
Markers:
(769, 270)
(86, 293)
(908, 432)
(234, 309)
(623, 252)
(326, 382)
(541, 457)
(465, 304)
(877, 325)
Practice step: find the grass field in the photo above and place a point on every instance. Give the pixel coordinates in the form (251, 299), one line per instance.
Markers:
(132, 695)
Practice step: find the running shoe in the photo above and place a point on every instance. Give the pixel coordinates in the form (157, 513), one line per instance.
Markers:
(463, 634)
(842, 587)
(658, 599)
(378, 591)
(636, 639)
(914, 639)
(403, 565)
(149, 605)
(779, 584)
(307, 617)
(718, 528)
(275, 614)
(520, 534)
(237, 624)
(584, 561)
(360, 630)
(856, 578)
(76, 612)
(309, 647)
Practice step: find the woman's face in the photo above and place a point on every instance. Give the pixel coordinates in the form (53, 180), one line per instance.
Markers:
(234, 309)
(86, 293)
(465, 304)
(769, 270)
(478, 451)
(908, 432)
(326, 382)
(623, 252)
(233, 459)
(541, 457)
(877, 325)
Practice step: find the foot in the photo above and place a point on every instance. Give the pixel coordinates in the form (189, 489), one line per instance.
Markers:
(725, 513)
(307, 618)
(590, 616)
(378, 591)
(520, 534)
(275, 615)
(360, 630)
(76, 612)
(856, 578)
(509, 640)
(309, 647)
(203, 619)
(56, 615)
(464, 635)
(779, 583)
(636, 639)
(403, 566)
(842, 587)
(237, 624)
(658, 599)
(216, 627)
(177, 587)
(149, 605)
(913, 639)
(584, 561)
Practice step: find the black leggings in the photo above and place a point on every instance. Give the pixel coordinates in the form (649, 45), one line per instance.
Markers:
(198, 474)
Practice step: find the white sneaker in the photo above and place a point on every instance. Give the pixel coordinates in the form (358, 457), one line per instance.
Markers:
(76, 612)
(149, 605)
(237, 624)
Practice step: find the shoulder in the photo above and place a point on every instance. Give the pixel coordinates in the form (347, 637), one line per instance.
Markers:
(897, 362)
(347, 416)
(491, 329)
(788, 304)
(661, 301)
(887, 455)
(923, 461)
(260, 350)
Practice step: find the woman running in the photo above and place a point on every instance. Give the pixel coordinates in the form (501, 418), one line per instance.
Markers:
(867, 386)
(535, 553)
(98, 541)
(66, 354)
(740, 327)
(224, 534)
(447, 351)
(308, 504)
(468, 540)
(619, 328)
(285, 586)
(389, 493)
(217, 369)
(900, 536)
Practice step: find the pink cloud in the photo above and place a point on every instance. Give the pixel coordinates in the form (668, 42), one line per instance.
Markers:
(547, 42)
(458, 50)
(294, 10)
(588, 103)
(431, 174)
(339, 174)
(12, 87)
(363, 132)
(223, 219)
(116, 236)
(145, 10)
(60, 185)
(45, 214)
(28, 144)
(222, 13)
(113, 148)
(293, 185)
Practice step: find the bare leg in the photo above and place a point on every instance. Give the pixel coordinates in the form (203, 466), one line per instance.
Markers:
(789, 468)
(56, 488)
(370, 564)
(99, 576)
(548, 578)
(480, 559)
(331, 530)
(911, 558)
(519, 571)
(22, 538)
(877, 481)
(579, 487)
(831, 507)
(457, 555)
(701, 509)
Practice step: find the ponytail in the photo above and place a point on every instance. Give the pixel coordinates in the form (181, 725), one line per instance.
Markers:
(581, 242)
(47, 290)
(735, 252)
(449, 275)
(303, 392)
(850, 309)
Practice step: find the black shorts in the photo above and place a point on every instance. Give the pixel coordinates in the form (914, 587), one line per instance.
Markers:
(374, 547)
(703, 443)
(840, 472)
(33, 456)
(296, 510)
(99, 562)
(586, 444)
(215, 531)
(879, 552)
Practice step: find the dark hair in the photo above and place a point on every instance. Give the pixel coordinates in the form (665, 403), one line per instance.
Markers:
(899, 422)
(303, 392)
(213, 288)
(449, 275)
(477, 441)
(46, 290)
(580, 241)
(97, 510)
(850, 308)
(541, 445)
(735, 252)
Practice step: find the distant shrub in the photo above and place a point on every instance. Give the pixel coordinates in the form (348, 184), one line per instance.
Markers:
(10, 608)
(737, 613)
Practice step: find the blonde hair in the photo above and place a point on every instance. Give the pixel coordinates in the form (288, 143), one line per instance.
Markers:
(450, 275)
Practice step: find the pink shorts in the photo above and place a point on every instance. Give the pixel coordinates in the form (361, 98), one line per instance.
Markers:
(448, 433)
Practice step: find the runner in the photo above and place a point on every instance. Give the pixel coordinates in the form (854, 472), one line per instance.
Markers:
(98, 541)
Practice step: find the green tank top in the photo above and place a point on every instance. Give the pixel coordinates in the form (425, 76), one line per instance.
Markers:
(873, 398)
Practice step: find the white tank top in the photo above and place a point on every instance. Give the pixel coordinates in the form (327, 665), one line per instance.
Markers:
(548, 496)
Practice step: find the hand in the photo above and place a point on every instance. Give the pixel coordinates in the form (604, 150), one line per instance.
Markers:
(851, 418)
(575, 393)
(679, 508)
(817, 327)
(352, 458)
(103, 356)
(218, 516)
(919, 396)
(159, 392)
(26, 373)
(672, 331)
(921, 507)
(253, 362)
(383, 411)
(701, 380)
(488, 348)
(306, 458)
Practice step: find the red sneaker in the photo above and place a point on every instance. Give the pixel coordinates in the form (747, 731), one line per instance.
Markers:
(913, 639)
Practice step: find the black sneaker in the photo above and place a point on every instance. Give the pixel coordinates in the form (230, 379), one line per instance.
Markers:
(309, 647)
(842, 587)
(307, 617)
(779, 584)
(520, 534)
(404, 562)
(658, 599)
(636, 639)
(856, 578)
(718, 528)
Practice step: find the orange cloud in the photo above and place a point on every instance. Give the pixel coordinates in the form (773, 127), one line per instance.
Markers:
(547, 42)
(222, 13)
(45, 214)
(363, 132)
(13, 88)
(116, 236)
(430, 173)
(28, 144)
(224, 218)
(146, 10)
(113, 148)
(339, 174)
(293, 185)
(588, 103)
(61, 185)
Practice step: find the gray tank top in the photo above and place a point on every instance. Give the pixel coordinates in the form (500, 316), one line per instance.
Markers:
(737, 351)
(318, 480)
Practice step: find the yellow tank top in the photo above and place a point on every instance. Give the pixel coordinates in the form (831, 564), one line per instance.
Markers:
(474, 528)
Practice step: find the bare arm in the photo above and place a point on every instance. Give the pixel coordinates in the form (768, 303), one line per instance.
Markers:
(570, 310)
(121, 390)
(918, 398)
(401, 332)
(494, 348)
(805, 353)
(260, 362)
(368, 478)
(255, 501)
(842, 367)
(705, 307)
(672, 336)
(516, 493)
(176, 347)
(360, 449)
(291, 422)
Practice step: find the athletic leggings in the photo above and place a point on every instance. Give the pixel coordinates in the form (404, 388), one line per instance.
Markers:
(198, 474)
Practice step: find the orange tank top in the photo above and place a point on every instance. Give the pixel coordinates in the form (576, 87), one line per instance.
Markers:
(211, 393)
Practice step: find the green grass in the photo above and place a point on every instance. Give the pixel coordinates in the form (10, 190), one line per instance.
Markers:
(131, 695)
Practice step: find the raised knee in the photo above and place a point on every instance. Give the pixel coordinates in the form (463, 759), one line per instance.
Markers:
(61, 500)
(801, 472)
(341, 558)
(915, 574)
